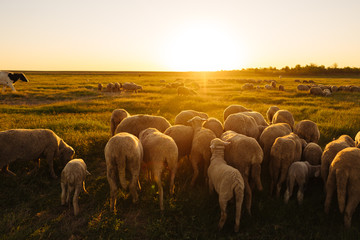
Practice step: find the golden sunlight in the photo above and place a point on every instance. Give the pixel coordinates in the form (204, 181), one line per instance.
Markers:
(203, 48)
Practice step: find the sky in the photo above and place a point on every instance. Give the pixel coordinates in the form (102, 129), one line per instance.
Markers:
(169, 35)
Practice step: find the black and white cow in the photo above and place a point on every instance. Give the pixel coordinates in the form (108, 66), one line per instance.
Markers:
(8, 79)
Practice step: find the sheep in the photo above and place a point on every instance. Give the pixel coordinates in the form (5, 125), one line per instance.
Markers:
(226, 180)
(135, 124)
(357, 140)
(273, 84)
(284, 116)
(30, 145)
(247, 86)
(123, 152)
(184, 116)
(281, 88)
(131, 87)
(234, 109)
(200, 149)
(270, 113)
(241, 123)
(8, 79)
(100, 87)
(259, 118)
(268, 87)
(330, 151)
(312, 153)
(117, 87)
(109, 87)
(300, 173)
(307, 130)
(116, 117)
(316, 91)
(302, 87)
(326, 92)
(185, 91)
(245, 154)
(214, 125)
(158, 149)
(334, 89)
(183, 136)
(73, 179)
(284, 152)
(344, 176)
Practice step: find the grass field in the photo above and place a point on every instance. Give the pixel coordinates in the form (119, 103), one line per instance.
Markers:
(70, 105)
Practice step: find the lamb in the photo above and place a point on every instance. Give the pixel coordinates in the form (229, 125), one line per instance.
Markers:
(8, 79)
(185, 91)
(234, 109)
(245, 154)
(316, 91)
(357, 140)
(284, 116)
(259, 118)
(131, 87)
(307, 130)
(200, 149)
(30, 145)
(270, 113)
(116, 117)
(123, 152)
(330, 151)
(184, 116)
(344, 175)
(214, 125)
(243, 124)
(284, 152)
(300, 173)
(183, 136)
(226, 180)
(135, 124)
(73, 179)
(158, 149)
(312, 153)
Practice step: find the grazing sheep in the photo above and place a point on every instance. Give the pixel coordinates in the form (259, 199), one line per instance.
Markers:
(270, 113)
(334, 89)
(117, 87)
(297, 80)
(284, 152)
(184, 116)
(326, 92)
(158, 149)
(245, 154)
(307, 130)
(300, 173)
(123, 152)
(273, 84)
(316, 91)
(284, 116)
(243, 124)
(8, 79)
(226, 180)
(247, 86)
(185, 91)
(200, 149)
(73, 179)
(116, 117)
(31, 144)
(357, 140)
(259, 118)
(268, 87)
(214, 125)
(354, 89)
(109, 87)
(100, 87)
(281, 88)
(131, 87)
(330, 151)
(234, 109)
(135, 124)
(312, 153)
(302, 87)
(344, 176)
(183, 136)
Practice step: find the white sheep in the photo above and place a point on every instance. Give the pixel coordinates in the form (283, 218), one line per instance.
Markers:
(30, 145)
(307, 130)
(214, 125)
(123, 152)
(8, 79)
(226, 180)
(284, 116)
(259, 118)
(183, 136)
(299, 173)
(234, 109)
(73, 179)
(312, 153)
(131, 87)
(270, 113)
(184, 116)
(158, 150)
(116, 117)
(243, 124)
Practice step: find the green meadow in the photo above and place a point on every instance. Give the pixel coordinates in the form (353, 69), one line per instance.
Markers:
(70, 104)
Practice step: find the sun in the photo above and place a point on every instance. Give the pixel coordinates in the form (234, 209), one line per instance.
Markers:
(204, 48)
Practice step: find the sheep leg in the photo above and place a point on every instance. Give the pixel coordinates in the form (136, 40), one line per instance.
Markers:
(69, 190)
(283, 175)
(300, 193)
(63, 193)
(157, 178)
(132, 187)
(12, 87)
(172, 179)
(223, 204)
(341, 182)
(36, 167)
(111, 177)
(289, 189)
(75, 199)
(194, 158)
(352, 202)
(121, 172)
(50, 160)
(274, 172)
(248, 196)
(239, 197)
(330, 189)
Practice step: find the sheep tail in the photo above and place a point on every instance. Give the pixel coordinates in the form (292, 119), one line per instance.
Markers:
(342, 178)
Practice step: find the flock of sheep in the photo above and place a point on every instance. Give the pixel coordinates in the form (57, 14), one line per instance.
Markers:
(118, 87)
(324, 90)
(230, 157)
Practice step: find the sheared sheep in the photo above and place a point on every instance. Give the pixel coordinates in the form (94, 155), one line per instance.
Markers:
(214, 125)
(330, 151)
(226, 180)
(307, 130)
(299, 173)
(8, 79)
(135, 124)
(200, 149)
(158, 149)
(344, 177)
(259, 118)
(123, 152)
(30, 145)
(73, 179)
(284, 116)
(234, 109)
(183, 136)
(131, 87)
(116, 117)
(270, 113)
(312, 153)
(185, 91)
(184, 116)
(243, 124)
(245, 154)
